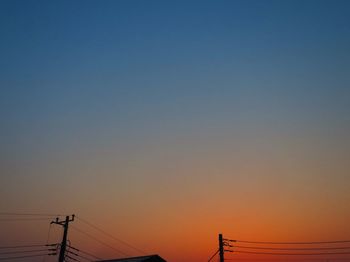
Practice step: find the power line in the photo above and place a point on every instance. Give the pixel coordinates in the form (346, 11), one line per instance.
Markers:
(24, 246)
(293, 254)
(86, 258)
(18, 257)
(101, 242)
(84, 252)
(81, 256)
(281, 259)
(71, 252)
(290, 243)
(311, 250)
(284, 259)
(283, 248)
(217, 251)
(29, 214)
(111, 236)
(23, 251)
(23, 219)
(71, 258)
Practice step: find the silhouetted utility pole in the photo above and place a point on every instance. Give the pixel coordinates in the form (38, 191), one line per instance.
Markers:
(65, 224)
(221, 248)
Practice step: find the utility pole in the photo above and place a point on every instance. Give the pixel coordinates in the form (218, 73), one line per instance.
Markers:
(221, 248)
(65, 224)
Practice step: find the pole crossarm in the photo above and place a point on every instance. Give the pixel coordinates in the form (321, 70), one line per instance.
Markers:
(63, 222)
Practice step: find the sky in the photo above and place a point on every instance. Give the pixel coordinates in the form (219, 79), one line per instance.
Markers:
(168, 122)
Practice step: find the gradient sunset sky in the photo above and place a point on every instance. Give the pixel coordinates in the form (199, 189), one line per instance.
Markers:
(168, 122)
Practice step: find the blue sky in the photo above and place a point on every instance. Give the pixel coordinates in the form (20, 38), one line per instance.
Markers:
(154, 58)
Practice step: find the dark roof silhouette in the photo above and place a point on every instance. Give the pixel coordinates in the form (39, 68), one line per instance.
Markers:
(151, 258)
